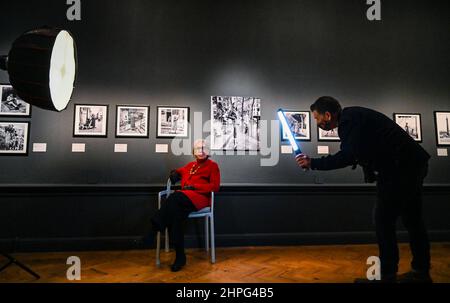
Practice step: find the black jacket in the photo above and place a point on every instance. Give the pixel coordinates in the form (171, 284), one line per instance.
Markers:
(372, 140)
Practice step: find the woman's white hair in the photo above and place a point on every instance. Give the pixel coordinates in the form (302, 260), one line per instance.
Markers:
(201, 142)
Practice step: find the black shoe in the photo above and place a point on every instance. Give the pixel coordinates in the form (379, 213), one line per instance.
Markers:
(178, 264)
(384, 279)
(415, 277)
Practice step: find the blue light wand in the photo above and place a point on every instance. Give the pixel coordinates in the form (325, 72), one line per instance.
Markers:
(288, 131)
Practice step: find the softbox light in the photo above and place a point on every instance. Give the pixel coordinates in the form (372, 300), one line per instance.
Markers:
(42, 67)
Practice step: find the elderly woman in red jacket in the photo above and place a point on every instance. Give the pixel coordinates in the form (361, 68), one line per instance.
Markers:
(198, 179)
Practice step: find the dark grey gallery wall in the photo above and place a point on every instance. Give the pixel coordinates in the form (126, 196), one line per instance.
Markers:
(163, 52)
(181, 52)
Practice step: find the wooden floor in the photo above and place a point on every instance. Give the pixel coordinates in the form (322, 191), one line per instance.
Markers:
(246, 264)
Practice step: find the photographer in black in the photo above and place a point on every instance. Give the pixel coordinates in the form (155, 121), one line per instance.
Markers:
(398, 164)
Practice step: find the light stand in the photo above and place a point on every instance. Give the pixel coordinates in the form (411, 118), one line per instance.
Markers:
(42, 68)
(12, 260)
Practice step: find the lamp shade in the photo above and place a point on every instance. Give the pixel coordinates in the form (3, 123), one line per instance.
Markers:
(42, 67)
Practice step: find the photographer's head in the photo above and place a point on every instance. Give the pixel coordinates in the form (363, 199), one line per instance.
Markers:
(326, 111)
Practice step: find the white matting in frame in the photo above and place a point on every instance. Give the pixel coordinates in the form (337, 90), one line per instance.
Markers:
(132, 121)
(442, 124)
(235, 123)
(14, 138)
(11, 104)
(300, 123)
(328, 135)
(172, 122)
(90, 120)
(411, 124)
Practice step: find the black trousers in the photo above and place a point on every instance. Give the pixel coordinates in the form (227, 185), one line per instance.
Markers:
(173, 213)
(400, 195)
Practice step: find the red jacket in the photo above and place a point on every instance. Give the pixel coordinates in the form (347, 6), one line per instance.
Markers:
(204, 178)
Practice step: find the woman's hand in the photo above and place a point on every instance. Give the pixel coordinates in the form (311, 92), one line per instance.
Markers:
(174, 176)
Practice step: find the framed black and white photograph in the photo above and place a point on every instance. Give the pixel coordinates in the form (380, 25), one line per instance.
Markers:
(11, 104)
(173, 122)
(442, 124)
(235, 123)
(14, 138)
(411, 124)
(328, 135)
(300, 124)
(132, 121)
(90, 120)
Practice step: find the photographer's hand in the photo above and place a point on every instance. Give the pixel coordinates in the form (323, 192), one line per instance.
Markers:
(304, 161)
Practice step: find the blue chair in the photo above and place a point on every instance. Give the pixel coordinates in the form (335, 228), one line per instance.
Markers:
(207, 213)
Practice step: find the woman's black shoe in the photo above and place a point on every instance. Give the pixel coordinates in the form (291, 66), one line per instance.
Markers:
(415, 277)
(178, 265)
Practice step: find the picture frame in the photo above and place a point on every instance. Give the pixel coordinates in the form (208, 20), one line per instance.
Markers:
(442, 127)
(300, 123)
(328, 135)
(132, 121)
(172, 122)
(411, 123)
(14, 138)
(235, 123)
(11, 105)
(90, 120)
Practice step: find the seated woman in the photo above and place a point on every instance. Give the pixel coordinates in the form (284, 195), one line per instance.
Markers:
(198, 179)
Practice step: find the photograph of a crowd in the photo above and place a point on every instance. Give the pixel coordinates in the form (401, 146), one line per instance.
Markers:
(14, 138)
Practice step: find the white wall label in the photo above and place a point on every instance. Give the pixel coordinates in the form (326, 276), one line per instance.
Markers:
(323, 150)
(39, 147)
(286, 149)
(78, 147)
(121, 148)
(162, 148)
(442, 152)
